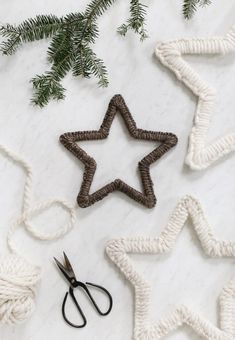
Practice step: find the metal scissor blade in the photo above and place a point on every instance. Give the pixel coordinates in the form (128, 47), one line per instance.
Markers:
(66, 270)
(68, 265)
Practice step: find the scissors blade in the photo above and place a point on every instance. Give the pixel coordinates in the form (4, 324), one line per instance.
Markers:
(66, 270)
(68, 265)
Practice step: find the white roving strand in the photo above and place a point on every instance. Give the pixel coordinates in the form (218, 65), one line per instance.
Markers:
(171, 53)
(144, 328)
(18, 277)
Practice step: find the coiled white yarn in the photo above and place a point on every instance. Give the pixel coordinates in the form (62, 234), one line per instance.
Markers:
(144, 329)
(18, 281)
(18, 277)
(200, 155)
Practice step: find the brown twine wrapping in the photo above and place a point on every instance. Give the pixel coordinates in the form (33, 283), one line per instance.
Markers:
(147, 197)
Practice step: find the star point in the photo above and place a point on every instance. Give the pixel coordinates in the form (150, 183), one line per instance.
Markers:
(147, 197)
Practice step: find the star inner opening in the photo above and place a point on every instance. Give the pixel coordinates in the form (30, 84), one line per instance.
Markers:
(118, 156)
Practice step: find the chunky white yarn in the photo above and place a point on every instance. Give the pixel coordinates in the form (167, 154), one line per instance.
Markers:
(18, 277)
(171, 53)
(18, 281)
(144, 329)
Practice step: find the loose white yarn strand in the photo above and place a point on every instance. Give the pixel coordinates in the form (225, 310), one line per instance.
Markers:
(18, 277)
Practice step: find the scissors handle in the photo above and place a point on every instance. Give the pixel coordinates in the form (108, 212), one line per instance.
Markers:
(106, 292)
(84, 286)
(78, 308)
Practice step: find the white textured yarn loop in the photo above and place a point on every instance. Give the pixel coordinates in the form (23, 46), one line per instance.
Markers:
(18, 277)
(144, 329)
(200, 155)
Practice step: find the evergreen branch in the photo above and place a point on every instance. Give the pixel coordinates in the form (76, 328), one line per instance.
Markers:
(7, 30)
(190, 7)
(205, 2)
(40, 27)
(46, 88)
(61, 55)
(71, 39)
(10, 46)
(80, 67)
(136, 22)
(96, 8)
(87, 63)
(60, 44)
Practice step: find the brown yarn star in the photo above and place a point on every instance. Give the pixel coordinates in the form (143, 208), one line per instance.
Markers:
(147, 197)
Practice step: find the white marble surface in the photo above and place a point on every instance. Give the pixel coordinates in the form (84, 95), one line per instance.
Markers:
(158, 102)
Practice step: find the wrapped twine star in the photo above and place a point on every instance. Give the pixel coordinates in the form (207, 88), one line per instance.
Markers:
(147, 197)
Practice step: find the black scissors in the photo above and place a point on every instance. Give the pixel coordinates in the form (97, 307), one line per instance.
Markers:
(68, 272)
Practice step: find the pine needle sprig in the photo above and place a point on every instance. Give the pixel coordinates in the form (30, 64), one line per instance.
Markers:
(96, 8)
(190, 7)
(45, 89)
(72, 37)
(40, 27)
(136, 22)
(87, 64)
(69, 48)
(61, 55)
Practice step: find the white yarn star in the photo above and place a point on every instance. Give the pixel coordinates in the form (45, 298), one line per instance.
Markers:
(144, 329)
(200, 155)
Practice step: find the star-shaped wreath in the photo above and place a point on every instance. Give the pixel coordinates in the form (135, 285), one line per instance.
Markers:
(200, 155)
(147, 197)
(144, 329)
